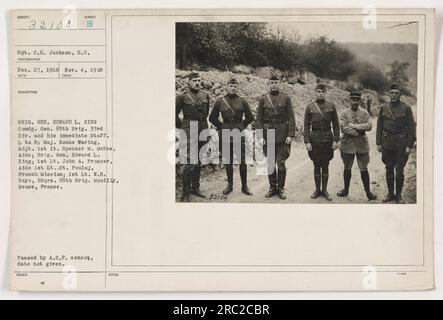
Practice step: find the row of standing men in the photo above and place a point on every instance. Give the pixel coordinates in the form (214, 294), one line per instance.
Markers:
(395, 136)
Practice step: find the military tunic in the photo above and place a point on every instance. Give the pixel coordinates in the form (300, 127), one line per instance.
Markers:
(395, 132)
(275, 112)
(235, 114)
(354, 141)
(317, 130)
(195, 108)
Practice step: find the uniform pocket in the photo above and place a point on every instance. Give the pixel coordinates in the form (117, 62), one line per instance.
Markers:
(188, 101)
(239, 108)
(268, 111)
(328, 115)
(281, 132)
(224, 107)
(282, 109)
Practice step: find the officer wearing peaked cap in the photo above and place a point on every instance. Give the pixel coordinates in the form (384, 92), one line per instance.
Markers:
(275, 112)
(355, 122)
(231, 114)
(321, 135)
(395, 139)
(194, 105)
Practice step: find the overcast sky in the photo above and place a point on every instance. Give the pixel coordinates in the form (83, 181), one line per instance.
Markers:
(354, 32)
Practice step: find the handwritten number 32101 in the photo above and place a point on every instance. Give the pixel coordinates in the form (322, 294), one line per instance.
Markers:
(52, 25)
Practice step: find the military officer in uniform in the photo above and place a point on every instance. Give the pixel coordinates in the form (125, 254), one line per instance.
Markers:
(354, 123)
(194, 104)
(275, 112)
(235, 114)
(395, 140)
(320, 141)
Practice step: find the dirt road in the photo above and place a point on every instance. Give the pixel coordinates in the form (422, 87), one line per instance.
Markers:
(300, 182)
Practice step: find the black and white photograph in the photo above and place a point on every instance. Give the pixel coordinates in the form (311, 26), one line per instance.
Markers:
(299, 155)
(296, 112)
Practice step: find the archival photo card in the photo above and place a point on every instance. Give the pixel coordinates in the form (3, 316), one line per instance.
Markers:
(327, 93)
(222, 149)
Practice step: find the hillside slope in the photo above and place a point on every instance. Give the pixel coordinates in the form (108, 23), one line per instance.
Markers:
(253, 87)
(299, 181)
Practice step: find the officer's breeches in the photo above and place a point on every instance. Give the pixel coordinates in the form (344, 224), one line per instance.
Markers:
(233, 152)
(362, 160)
(191, 177)
(191, 166)
(195, 180)
(282, 152)
(236, 155)
(394, 158)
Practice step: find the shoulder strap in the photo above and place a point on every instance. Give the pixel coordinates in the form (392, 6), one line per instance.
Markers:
(388, 107)
(319, 110)
(189, 96)
(227, 104)
(270, 101)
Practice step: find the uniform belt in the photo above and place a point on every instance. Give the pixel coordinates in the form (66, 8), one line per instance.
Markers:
(273, 125)
(191, 119)
(393, 132)
(321, 129)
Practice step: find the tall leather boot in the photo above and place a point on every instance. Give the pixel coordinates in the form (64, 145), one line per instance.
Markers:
(272, 184)
(390, 183)
(366, 184)
(244, 179)
(195, 185)
(230, 175)
(324, 186)
(281, 183)
(399, 181)
(317, 181)
(347, 174)
(187, 173)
